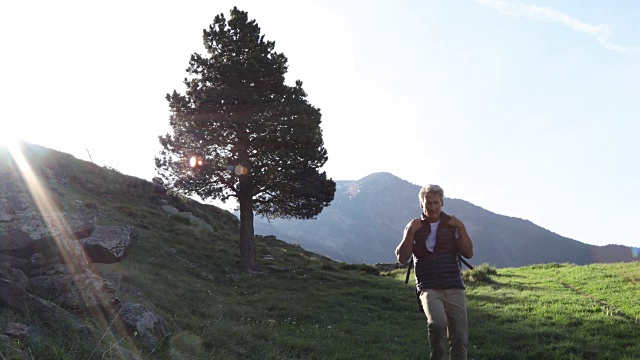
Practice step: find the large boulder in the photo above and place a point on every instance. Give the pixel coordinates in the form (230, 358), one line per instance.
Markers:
(28, 233)
(109, 244)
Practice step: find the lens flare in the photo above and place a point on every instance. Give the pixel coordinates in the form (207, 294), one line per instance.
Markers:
(241, 170)
(635, 252)
(194, 161)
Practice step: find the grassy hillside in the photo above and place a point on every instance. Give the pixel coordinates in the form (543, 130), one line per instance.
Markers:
(308, 306)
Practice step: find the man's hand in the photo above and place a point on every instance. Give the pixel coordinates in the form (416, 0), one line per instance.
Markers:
(464, 243)
(455, 222)
(405, 248)
(414, 225)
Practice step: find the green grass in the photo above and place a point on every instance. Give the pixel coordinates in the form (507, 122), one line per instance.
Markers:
(556, 312)
(310, 307)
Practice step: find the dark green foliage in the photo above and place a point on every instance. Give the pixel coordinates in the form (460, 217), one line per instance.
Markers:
(259, 139)
(328, 267)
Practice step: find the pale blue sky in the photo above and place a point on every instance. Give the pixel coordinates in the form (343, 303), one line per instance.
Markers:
(528, 109)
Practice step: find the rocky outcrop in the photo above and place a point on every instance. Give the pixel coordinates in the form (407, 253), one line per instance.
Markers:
(109, 244)
(46, 268)
(48, 249)
(42, 255)
(31, 232)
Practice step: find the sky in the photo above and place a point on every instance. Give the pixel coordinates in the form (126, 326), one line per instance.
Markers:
(528, 109)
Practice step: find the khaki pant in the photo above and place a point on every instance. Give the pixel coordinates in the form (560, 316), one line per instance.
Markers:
(446, 312)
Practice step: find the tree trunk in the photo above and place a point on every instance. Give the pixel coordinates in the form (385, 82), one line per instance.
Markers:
(247, 241)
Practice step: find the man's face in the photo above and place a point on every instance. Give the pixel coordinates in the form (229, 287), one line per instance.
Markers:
(431, 206)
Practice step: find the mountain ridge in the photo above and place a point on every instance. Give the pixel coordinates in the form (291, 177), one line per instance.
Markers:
(365, 221)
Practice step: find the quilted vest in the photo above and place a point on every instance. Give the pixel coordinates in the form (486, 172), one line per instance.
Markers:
(439, 269)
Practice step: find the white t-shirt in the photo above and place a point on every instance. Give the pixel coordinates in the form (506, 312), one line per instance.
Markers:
(431, 240)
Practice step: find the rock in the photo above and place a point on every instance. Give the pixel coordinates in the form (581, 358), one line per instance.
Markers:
(21, 278)
(56, 225)
(62, 269)
(38, 260)
(159, 189)
(17, 330)
(39, 271)
(109, 244)
(4, 217)
(169, 209)
(147, 324)
(195, 220)
(16, 202)
(29, 233)
(13, 275)
(114, 278)
(87, 293)
(14, 262)
(12, 295)
(72, 254)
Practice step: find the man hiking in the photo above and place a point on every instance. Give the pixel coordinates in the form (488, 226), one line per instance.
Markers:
(435, 241)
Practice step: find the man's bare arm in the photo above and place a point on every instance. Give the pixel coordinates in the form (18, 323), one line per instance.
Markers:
(405, 248)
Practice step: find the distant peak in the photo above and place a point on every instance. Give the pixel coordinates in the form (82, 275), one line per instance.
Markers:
(380, 176)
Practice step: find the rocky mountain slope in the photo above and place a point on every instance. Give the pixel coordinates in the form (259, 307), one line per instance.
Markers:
(65, 224)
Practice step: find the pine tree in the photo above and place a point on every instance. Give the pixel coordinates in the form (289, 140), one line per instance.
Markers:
(240, 131)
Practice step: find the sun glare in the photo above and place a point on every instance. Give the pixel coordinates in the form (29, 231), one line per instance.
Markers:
(8, 136)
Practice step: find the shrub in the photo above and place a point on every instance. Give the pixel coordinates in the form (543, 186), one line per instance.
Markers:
(552, 265)
(479, 274)
(328, 267)
(362, 268)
